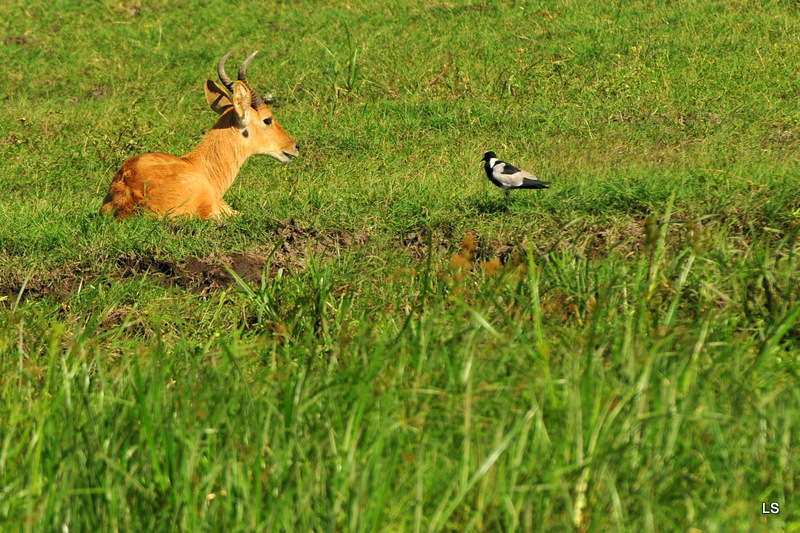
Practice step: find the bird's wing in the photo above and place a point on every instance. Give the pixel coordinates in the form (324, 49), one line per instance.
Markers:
(510, 176)
(506, 168)
(524, 174)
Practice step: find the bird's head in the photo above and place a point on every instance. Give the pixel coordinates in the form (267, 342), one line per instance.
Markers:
(489, 155)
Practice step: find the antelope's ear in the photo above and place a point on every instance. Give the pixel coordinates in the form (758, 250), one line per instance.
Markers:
(217, 98)
(241, 102)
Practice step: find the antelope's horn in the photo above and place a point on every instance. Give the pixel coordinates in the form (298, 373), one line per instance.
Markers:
(255, 98)
(226, 81)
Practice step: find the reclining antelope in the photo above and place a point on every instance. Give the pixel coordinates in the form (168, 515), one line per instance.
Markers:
(194, 184)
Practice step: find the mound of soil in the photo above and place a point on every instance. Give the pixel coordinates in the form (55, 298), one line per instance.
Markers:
(195, 274)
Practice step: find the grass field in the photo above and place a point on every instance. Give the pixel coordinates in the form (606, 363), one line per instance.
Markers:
(374, 344)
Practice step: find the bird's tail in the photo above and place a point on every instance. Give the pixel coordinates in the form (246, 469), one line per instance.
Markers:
(528, 183)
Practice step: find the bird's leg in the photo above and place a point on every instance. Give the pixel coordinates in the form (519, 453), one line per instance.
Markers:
(508, 199)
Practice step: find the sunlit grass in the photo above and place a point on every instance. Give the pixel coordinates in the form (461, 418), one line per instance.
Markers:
(374, 344)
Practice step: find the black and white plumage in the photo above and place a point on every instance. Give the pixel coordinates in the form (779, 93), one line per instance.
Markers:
(509, 177)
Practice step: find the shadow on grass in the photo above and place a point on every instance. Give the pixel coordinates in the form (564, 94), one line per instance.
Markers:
(490, 206)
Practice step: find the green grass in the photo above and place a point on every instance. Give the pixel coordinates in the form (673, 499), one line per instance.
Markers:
(374, 345)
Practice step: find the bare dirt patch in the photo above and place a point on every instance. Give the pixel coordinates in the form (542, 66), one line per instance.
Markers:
(35, 287)
(18, 40)
(195, 274)
(421, 241)
(201, 274)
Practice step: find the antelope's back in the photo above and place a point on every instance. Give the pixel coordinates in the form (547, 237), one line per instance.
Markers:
(153, 180)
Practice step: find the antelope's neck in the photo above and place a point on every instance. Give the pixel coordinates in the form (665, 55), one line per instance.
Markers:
(219, 156)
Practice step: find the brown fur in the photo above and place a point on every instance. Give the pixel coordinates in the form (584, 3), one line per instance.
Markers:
(194, 184)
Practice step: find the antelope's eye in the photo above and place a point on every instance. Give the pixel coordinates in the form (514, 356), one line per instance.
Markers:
(268, 121)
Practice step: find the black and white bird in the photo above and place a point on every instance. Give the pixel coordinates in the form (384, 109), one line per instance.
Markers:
(510, 177)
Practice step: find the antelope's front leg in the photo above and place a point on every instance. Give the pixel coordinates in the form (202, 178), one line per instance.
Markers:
(225, 210)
